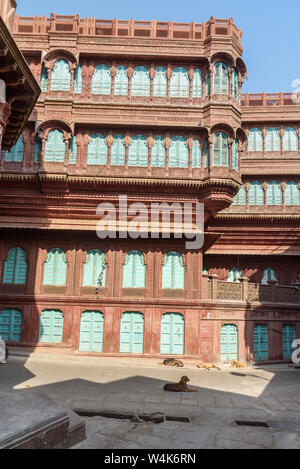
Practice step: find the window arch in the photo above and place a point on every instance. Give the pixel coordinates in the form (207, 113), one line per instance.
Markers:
(55, 148)
(16, 154)
(101, 81)
(235, 155)
(158, 154)
(196, 154)
(44, 80)
(78, 80)
(290, 140)
(160, 83)
(51, 326)
(11, 325)
(274, 193)
(197, 84)
(241, 197)
(97, 150)
(267, 275)
(255, 140)
(121, 81)
(134, 270)
(234, 275)
(61, 76)
(15, 267)
(138, 154)
(118, 151)
(273, 139)
(179, 153)
(94, 272)
(173, 271)
(220, 149)
(55, 268)
(140, 84)
(220, 78)
(180, 83)
(256, 193)
(292, 193)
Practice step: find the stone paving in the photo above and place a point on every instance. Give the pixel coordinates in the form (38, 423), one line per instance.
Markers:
(269, 394)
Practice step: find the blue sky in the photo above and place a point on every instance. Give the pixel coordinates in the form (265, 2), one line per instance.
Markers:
(270, 28)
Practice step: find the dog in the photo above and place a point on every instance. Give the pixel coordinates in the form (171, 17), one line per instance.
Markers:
(179, 387)
(237, 364)
(208, 366)
(172, 362)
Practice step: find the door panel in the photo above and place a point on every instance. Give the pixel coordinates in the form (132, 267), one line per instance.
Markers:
(229, 343)
(261, 343)
(172, 334)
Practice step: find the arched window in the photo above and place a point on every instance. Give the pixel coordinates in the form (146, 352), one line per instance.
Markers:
(158, 155)
(220, 78)
(121, 81)
(179, 83)
(173, 271)
(16, 154)
(290, 140)
(55, 149)
(268, 275)
(101, 81)
(55, 268)
(197, 84)
(274, 193)
(256, 193)
(138, 151)
(234, 275)
(206, 154)
(97, 150)
(207, 83)
(73, 150)
(179, 153)
(235, 155)
(15, 267)
(292, 193)
(94, 272)
(255, 140)
(220, 149)
(273, 140)
(118, 150)
(11, 325)
(160, 83)
(140, 84)
(51, 327)
(78, 80)
(61, 76)
(134, 270)
(196, 154)
(37, 149)
(235, 84)
(44, 80)
(241, 197)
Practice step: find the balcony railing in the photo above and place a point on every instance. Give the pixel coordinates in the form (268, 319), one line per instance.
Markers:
(270, 99)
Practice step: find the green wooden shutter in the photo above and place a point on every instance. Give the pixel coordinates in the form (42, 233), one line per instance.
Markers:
(61, 76)
(255, 141)
(44, 80)
(288, 337)
(37, 149)
(256, 193)
(273, 140)
(97, 150)
(206, 155)
(292, 193)
(11, 325)
(235, 155)
(158, 154)
(274, 193)
(234, 275)
(229, 343)
(132, 333)
(196, 154)
(173, 272)
(160, 83)
(78, 80)
(179, 153)
(101, 81)
(93, 268)
(138, 151)
(220, 78)
(260, 343)
(55, 148)
(172, 334)
(16, 154)
(269, 274)
(290, 140)
(140, 84)
(55, 269)
(73, 150)
(121, 81)
(118, 150)
(235, 84)
(180, 83)
(91, 331)
(241, 197)
(197, 84)
(15, 267)
(207, 83)
(134, 270)
(51, 326)
(220, 149)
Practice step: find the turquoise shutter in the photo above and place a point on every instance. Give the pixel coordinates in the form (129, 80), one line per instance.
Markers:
(44, 80)
(292, 193)
(132, 333)
(235, 84)
(173, 272)
(55, 149)
(207, 83)
(179, 153)
(290, 140)
(220, 78)
(73, 150)
(229, 343)
(140, 84)
(205, 270)
(93, 268)
(121, 81)
(97, 150)
(61, 76)
(288, 337)
(78, 80)
(255, 140)
(15, 267)
(274, 193)
(37, 149)
(234, 275)
(235, 155)
(220, 149)
(269, 274)
(206, 155)
(197, 84)
(158, 154)
(134, 270)
(138, 151)
(101, 81)
(196, 154)
(91, 331)
(16, 154)
(256, 193)
(51, 326)
(160, 83)
(11, 325)
(241, 197)
(55, 269)
(172, 334)
(261, 343)
(273, 140)
(180, 83)
(118, 150)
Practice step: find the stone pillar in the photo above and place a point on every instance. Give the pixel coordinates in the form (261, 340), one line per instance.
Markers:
(244, 281)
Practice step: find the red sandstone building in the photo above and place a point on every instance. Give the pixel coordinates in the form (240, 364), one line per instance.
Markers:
(153, 111)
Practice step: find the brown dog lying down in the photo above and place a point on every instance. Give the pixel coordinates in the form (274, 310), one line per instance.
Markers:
(172, 362)
(179, 387)
(237, 364)
(208, 366)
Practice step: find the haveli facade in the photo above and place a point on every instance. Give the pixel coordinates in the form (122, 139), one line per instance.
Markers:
(153, 111)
